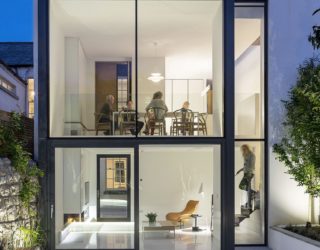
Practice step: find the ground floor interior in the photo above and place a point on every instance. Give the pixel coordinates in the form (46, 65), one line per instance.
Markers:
(179, 196)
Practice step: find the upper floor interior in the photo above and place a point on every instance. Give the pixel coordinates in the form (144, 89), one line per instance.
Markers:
(152, 68)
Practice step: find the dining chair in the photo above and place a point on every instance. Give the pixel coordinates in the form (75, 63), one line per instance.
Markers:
(101, 125)
(155, 119)
(127, 121)
(182, 122)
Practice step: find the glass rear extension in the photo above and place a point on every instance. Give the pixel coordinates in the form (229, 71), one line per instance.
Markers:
(140, 146)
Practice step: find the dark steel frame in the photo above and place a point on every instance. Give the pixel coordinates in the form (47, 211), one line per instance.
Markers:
(47, 145)
(261, 4)
(128, 180)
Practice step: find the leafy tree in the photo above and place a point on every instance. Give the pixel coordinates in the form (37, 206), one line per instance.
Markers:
(315, 37)
(299, 149)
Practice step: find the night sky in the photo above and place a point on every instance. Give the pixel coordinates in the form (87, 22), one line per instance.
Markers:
(16, 20)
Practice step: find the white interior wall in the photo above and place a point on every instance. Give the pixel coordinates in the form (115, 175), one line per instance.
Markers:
(217, 70)
(59, 192)
(72, 98)
(71, 181)
(57, 73)
(147, 88)
(170, 177)
(248, 92)
(85, 112)
(76, 78)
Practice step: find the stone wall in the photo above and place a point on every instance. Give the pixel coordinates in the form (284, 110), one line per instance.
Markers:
(12, 215)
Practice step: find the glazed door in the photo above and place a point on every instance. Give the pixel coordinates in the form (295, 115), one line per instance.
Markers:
(113, 189)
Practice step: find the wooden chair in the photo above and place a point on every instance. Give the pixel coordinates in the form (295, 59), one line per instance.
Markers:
(185, 214)
(201, 126)
(101, 125)
(182, 122)
(127, 121)
(155, 118)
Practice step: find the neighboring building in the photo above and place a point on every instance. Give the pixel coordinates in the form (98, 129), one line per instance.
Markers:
(232, 61)
(18, 56)
(13, 91)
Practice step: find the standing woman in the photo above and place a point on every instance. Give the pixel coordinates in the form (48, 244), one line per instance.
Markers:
(248, 173)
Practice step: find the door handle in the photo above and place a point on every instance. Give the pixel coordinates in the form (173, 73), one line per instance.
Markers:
(51, 211)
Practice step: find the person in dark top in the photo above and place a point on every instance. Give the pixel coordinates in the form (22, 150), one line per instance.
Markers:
(248, 173)
(161, 107)
(132, 117)
(106, 113)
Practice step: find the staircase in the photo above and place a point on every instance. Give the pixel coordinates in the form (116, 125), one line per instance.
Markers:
(245, 212)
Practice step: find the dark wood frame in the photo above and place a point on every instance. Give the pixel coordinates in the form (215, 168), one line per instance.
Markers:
(127, 156)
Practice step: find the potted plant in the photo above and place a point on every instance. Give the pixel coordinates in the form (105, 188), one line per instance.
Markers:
(151, 217)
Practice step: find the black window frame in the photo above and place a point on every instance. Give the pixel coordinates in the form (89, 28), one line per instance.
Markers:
(47, 145)
(264, 139)
(127, 181)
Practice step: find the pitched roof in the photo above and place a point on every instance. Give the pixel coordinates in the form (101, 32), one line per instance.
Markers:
(10, 71)
(16, 53)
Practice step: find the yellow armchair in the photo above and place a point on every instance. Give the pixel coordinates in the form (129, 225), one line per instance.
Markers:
(181, 217)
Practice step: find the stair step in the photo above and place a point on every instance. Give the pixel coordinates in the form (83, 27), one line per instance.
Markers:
(238, 219)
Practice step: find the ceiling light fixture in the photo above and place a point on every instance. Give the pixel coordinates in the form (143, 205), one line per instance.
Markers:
(155, 76)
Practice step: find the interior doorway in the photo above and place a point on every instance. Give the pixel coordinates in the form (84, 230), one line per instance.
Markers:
(113, 188)
(112, 78)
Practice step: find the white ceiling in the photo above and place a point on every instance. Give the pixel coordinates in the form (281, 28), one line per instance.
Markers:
(106, 28)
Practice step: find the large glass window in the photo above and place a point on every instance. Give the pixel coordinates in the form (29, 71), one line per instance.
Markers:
(92, 51)
(249, 125)
(179, 198)
(249, 193)
(92, 68)
(249, 72)
(94, 204)
(180, 84)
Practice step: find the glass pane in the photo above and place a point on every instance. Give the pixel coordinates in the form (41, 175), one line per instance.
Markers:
(180, 66)
(94, 204)
(179, 203)
(114, 188)
(249, 193)
(91, 63)
(249, 72)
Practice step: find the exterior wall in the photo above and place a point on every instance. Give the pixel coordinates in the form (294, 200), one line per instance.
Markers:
(8, 102)
(13, 215)
(290, 23)
(24, 72)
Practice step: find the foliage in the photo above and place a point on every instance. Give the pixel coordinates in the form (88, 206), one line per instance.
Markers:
(32, 237)
(12, 147)
(312, 232)
(315, 37)
(152, 217)
(299, 149)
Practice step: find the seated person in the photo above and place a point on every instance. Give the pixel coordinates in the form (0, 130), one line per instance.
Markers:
(106, 113)
(156, 102)
(140, 124)
(185, 105)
